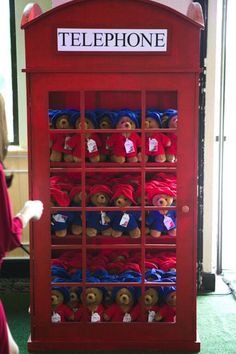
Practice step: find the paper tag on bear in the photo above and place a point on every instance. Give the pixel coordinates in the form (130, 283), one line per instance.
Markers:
(168, 222)
(151, 316)
(56, 317)
(91, 145)
(125, 220)
(66, 146)
(129, 146)
(127, 318)
(153, 144)
(60, 218)
(95, 317)
(103, 217)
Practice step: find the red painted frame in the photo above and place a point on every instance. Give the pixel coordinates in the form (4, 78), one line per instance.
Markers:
(175, 71)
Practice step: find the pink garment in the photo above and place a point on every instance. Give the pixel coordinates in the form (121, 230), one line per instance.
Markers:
(10, 227)
(10, 238)
(4, 347)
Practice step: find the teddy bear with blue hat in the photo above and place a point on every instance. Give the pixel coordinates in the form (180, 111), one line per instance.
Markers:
(155, 142)
(167, 312)
(60, 119)
(92, 298)
(170, 118)
(125, 145)
(124, 307)
(61, 312)
(92, 140)
(106, 120)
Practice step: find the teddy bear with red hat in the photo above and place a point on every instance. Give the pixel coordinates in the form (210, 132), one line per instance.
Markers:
(155, 142)
(124, 221)
(92, 140)
(125, 146)
(161, 220)
(98, 221)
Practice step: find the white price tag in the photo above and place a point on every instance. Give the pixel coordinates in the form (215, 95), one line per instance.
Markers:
(151, 316)
(66, 146)
(103, 216)
(60, 218)
(129, 146)
(95, 317)
(124, 220)
(168, 222)
(127, 318)
(56, 317)
(91, 145)
(153, 144)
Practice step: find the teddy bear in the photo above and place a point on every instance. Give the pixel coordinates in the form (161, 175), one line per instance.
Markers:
(98, 221)
(171, 122)
(164, 220)
(92, 140)
(60, 119)
(151, 307)
(61, 312)
(76, 201)
(155, 142)
(125, 145)
(60, 221)
(92, 298)
(105, 120)
(75, 303)
(124, 221)
(124, 307)
(167, 312)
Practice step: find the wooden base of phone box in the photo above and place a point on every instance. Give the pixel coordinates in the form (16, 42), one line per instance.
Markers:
(112, 345)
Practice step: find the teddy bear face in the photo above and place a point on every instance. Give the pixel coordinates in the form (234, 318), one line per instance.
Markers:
(93, 296)
(151, 123)
(74, 299)
(124, 297)
(162, 200)
(87, 124)
(56, 297)
(171, 299)
(173, 122)
(100, 199)
(105, 123)
(122, 201)
(63, 122)
(150, 297)
(125, 123)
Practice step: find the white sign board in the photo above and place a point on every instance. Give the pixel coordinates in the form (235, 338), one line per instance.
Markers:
(111, 40)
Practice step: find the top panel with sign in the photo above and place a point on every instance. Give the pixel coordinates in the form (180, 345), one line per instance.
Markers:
(112, 36)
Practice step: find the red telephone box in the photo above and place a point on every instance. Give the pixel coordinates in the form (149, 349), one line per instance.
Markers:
(95, 56)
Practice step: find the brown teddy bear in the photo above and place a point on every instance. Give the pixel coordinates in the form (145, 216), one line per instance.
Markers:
(155, 142)
(124, 221)
(92, 140)
(59, 149)
(124, 309)
(98, 221)
(60, 310)
(75, 303)
(151, 306)
(125, 145)
(92, 300)
(105, 121)
(60, 221)
(161, 221)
